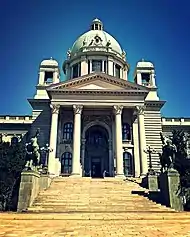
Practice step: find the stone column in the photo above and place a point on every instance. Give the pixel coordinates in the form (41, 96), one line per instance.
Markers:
(136, 147)
(76, 140)
(53, 138)
(83, 155)
(118, 142)
(142, 140)
(111, 162)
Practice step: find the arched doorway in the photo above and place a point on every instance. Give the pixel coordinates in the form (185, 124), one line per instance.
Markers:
(96, 160)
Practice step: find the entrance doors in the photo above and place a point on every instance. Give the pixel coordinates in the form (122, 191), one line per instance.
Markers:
(96, 159)
(96, 167)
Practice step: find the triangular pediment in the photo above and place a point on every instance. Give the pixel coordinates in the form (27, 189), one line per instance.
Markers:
(97, 81)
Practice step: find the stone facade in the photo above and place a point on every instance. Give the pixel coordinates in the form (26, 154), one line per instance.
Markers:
(96, 122)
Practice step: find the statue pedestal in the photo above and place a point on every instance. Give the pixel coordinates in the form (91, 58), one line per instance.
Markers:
(152, 182)
(169, 186)
(29, 188)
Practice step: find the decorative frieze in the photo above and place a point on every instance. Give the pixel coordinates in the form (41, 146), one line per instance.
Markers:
(104, 118)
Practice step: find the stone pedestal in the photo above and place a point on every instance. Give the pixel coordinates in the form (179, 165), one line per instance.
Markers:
(169, 187)
(44, 181)
(152, 182)
(29, 188)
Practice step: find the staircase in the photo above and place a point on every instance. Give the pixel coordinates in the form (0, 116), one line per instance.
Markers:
(109, 195)
(95, 207)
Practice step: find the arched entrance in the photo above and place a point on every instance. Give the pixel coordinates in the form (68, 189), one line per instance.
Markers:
(96, 159)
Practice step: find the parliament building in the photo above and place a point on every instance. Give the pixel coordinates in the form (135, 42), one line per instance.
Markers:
(96, 121)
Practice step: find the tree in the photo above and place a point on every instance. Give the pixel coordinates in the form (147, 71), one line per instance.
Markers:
(182, 163)
(12, 161)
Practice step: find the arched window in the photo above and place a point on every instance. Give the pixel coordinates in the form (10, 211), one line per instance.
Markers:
(66, 163)
(127, 164)
(68, 131)
(126, 132)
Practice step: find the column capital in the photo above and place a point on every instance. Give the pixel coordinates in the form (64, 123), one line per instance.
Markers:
(77, 109)
(54, 108)
(140, 109)
(118, 109)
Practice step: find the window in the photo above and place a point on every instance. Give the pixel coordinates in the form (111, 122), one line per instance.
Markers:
(96, 65)
(76, 70)
(126, 132)
(96, 26)
(66, 163)
(48, 77)
(117, 70)
(68, 131)
(127, 164)
(105, 66)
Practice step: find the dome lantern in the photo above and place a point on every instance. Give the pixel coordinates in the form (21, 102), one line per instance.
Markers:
(96, 24)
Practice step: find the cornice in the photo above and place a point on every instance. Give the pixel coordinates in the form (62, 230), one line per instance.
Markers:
(158, 104)
(98, 92)
(98, 76)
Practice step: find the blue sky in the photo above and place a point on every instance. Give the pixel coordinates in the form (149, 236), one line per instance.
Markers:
(156, 30)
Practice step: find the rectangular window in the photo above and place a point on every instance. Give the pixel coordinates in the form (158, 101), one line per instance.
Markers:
(117, 70)
(76, 70)
(97, 65)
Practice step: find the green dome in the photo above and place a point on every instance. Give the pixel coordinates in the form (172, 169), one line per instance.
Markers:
(96, 38)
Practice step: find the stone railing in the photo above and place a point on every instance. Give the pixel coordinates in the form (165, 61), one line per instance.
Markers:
(176, 121)
(16, 119)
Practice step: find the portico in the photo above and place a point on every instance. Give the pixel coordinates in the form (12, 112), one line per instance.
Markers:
(107, 117)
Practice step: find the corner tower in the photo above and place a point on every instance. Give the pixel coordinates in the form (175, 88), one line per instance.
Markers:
(145, 75)
(48, 74)
(96, 51)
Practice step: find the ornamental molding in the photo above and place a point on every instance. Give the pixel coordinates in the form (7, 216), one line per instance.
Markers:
(118, 109)
(100, 92)
(103, 118)
(54, 108)
(77, 109)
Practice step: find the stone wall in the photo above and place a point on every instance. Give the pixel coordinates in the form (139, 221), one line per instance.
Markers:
(152, 131)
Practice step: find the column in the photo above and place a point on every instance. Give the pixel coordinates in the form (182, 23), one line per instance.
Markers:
(53, 137)
(136, 147)
(76, 140)
(118, 143)
(139, 78)
(142, 140)
(83, 155)
(111, 161)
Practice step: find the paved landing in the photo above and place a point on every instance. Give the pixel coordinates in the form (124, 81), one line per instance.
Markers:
(92, 208)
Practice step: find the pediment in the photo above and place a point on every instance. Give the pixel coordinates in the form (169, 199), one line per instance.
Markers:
(97, 81)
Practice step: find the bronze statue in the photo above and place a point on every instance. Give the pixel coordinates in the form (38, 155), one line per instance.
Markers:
(32, 152)
(167, 158)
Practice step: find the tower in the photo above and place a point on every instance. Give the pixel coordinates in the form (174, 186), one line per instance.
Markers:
(145, 75)
(48, 74)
